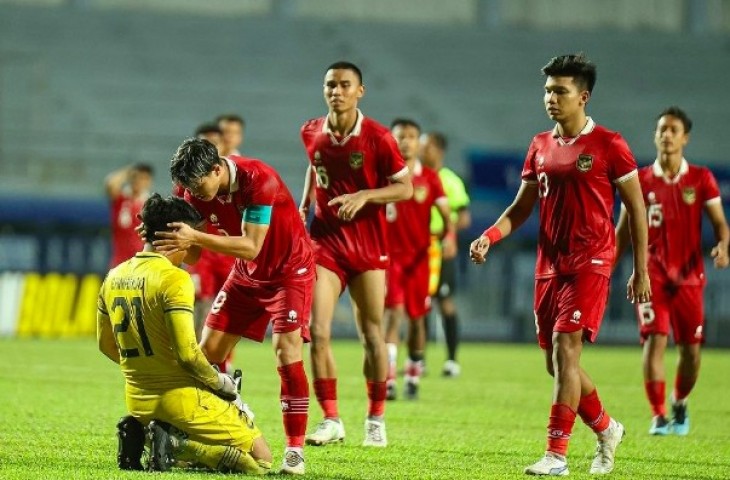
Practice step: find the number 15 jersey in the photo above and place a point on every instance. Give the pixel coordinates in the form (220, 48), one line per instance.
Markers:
(576, 180)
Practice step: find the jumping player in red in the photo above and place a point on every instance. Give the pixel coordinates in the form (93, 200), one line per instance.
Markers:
(573, 171)
(675, 193)
(272, 279)
(127, 188)
(409, 238)
(355, 168)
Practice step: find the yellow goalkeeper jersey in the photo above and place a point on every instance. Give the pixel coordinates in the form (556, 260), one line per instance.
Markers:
(146, 297)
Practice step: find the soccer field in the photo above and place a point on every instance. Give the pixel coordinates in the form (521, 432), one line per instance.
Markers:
(61, 399)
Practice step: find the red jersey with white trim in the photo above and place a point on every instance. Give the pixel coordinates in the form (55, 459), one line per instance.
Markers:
(409, 221)
(576, 179)
(287, 251)
(125, 241)
(367, 158)
(208, 259)
(674, 209)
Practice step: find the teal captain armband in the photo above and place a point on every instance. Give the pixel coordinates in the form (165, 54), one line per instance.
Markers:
(259, 214)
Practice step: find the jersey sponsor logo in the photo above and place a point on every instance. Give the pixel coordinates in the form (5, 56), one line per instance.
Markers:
(540, 161)
(213, 218)
(689, 195)
(584, 162)
(420, 193)
(356, 160)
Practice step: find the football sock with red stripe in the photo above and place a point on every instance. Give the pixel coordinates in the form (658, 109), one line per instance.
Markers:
(325, 390)
(562, 419)
(655, 392)
(294, 398)
(592, 413)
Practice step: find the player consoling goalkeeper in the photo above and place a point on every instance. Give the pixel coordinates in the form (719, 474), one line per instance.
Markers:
(179, 405)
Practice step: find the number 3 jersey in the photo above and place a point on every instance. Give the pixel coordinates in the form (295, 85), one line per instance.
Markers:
(143, 297)
(368, 158)
(576, 179)
(674, 209)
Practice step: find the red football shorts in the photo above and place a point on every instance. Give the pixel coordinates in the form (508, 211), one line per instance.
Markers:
(408, 285)
(210, 273)
(682, 307)
(568, 303)
(347, 267)
(245, 307)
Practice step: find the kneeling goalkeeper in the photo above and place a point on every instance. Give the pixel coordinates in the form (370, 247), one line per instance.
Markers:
(145, 324)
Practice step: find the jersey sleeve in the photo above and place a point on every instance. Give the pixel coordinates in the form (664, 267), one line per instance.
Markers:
(529, 173)
(390, 160)
(261, 202)
(458, 198)
(178, 298)
(710, 190)
(100, 302)
(621, 162)
(439, 194)
(178, 293)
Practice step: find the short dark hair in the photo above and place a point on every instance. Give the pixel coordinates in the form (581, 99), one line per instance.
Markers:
(577, 66)
(194, 159)
(206, 128)
(439, 139)
(157, 212)
(344, 65)
(405, 122)
(677, 112)
(144, 168)
(230, 117)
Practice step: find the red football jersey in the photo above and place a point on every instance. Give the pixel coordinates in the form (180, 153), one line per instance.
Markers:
(409, 221)
(576, 180)
(208, 259)
(125, 241)
(367, 158)
(674, 209)
(286, 250)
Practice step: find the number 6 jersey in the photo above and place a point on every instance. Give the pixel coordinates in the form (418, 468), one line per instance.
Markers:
(367, 158)
(576, 178)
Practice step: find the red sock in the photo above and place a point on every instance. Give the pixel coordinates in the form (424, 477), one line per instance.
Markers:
(683, 386)
(225, 365)
(294, 398)
(562, 419)
(655, 394)
(326, 391)
(592, 413)
(376, 398)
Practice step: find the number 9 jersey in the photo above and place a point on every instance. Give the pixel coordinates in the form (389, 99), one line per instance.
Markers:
(139, 296)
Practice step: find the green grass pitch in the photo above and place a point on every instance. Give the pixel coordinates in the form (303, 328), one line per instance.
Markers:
(60, 400)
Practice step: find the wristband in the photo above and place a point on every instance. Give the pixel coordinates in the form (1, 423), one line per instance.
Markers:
(493, 234)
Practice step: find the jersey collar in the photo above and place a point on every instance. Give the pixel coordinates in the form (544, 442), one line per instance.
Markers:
(590, 125)
(149, 255)
(232, 170)
(659, 172)
(354, 133)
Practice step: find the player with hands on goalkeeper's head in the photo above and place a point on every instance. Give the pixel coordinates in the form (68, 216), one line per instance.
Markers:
(173, 395)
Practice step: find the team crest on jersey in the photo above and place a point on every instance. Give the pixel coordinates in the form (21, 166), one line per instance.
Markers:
(420, 193)
(688, 195)
(213, 218)
(356, 159)
(584, 162)
(317, 158)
